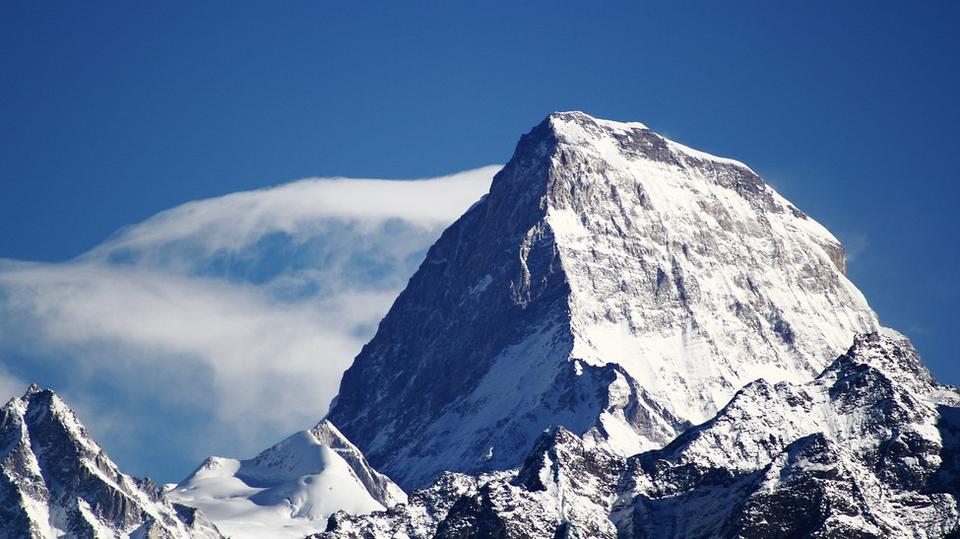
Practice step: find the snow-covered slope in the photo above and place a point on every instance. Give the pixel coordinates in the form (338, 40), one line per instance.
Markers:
(290, 489)
(55, 481)
(870, 448)
(613, 282)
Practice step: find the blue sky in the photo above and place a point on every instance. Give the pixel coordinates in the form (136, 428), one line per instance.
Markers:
(114, 112)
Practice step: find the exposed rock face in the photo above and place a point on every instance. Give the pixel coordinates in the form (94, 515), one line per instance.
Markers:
(867, 449)
(419, 517)
(612, 282)
(566, 488)
(56, 481)
(864, 450)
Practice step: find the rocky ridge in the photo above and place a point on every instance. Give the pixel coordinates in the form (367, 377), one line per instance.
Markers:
(57, 481)
(869, 448)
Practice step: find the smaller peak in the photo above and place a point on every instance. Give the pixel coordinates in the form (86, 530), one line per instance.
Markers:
(889, 352)
(33, 390)
(325, 426)
(880, 344)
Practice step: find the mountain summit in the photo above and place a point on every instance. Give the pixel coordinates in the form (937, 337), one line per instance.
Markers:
(290, 489)
(612, 282)
(55, 481)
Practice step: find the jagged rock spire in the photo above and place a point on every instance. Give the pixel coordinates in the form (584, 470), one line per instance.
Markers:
(55, 480)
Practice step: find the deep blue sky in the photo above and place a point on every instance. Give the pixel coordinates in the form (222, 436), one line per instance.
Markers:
(110, 113)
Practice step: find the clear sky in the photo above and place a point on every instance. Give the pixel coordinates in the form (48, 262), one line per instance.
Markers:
(115, 111)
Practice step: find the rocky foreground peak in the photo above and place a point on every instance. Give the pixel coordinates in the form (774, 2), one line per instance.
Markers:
(57, 481)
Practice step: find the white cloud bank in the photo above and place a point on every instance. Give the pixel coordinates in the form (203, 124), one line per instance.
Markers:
(247, 306)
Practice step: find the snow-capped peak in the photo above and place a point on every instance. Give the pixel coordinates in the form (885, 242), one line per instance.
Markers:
(60, 482)
(567, 116)
(289, 489)
(385, 491)
(576, 127)
(613, 282)
(891, 353)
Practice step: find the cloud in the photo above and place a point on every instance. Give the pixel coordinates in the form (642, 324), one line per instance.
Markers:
(238, 313)
(301, 210)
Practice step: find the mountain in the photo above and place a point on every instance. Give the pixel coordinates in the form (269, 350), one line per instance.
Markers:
(612, 282)
(56, 481)
(290, 489)
(869, 448)
(624, 338)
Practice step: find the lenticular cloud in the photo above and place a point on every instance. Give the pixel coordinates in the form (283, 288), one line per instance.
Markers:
(248, 306)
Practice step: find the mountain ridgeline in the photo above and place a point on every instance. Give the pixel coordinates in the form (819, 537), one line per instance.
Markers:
(867, 449)
(625, 338)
